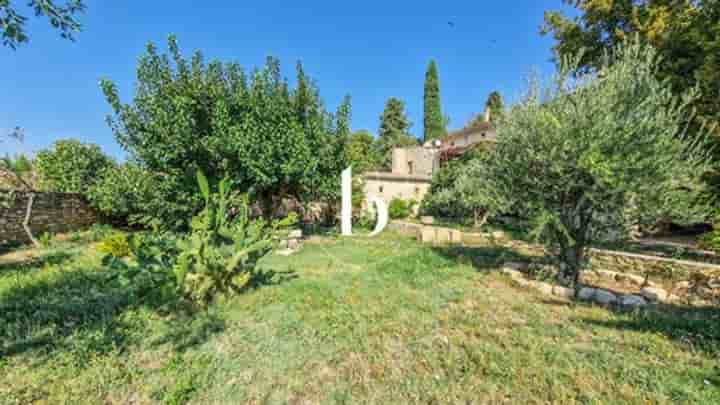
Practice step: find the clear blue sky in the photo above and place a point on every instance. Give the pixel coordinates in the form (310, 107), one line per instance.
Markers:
(369, 49)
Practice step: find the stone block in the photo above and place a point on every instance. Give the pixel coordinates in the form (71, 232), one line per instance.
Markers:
(544, 288)
(563, 292)
(456, 237)
(427, 220)
(427, 234)
(654, 294)
(443, 236)
(604, 297)
(293, 244)
(512, 272)
(632, 301)
(295, 234)
(586, 293)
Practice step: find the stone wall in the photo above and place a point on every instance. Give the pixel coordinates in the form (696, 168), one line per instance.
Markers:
(51, 212)
(599, 258)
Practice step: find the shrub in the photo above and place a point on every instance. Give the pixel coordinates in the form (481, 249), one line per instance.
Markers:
(115, 245)
(218, 256)
(710, 240)
(98, 232)
(400, 208)
(46, 239)
(70, 166)
(127, 194)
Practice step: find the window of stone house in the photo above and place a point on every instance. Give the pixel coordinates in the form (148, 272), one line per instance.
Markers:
(411, 169)
(381, 189)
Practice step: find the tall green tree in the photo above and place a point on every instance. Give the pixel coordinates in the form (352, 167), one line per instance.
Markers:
(394, 130)
(587, 157)
(686, 34)
(495, 106)
(434, 122)
(62, 17)
(271, 140)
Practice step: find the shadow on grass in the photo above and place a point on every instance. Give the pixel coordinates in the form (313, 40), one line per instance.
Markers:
(83, 310)
(694, 327)
(34, 263)
(483, 258)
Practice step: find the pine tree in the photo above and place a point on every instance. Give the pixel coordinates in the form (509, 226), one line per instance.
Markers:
(495, 105)
(394, 129)
(433, 120)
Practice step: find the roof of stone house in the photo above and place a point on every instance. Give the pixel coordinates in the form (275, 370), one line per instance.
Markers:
(476, 127)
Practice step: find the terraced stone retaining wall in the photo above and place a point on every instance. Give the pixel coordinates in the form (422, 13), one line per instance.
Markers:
(51, 212)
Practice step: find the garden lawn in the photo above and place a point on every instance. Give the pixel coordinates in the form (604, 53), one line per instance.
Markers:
(355, 320)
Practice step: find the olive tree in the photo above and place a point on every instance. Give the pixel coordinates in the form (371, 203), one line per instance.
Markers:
(590, 155)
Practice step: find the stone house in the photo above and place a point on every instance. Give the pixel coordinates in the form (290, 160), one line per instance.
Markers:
(413, 167)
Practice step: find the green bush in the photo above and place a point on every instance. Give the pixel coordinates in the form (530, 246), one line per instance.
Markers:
(128, 194)
(710, 240)
(98, 232)
(115, 245)
(46, 239)
(400, 208)
(70, 166)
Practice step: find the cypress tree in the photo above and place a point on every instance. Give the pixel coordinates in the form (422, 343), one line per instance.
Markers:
(433, 120)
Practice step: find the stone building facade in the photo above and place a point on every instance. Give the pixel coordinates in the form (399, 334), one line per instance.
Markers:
(413, 167)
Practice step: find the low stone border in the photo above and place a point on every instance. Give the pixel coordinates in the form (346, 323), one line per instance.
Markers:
(597, 295)
(290, 244)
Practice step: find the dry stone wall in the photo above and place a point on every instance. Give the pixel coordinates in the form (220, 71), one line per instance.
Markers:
(51, 212)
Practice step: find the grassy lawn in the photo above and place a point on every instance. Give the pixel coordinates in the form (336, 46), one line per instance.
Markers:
(344, 321)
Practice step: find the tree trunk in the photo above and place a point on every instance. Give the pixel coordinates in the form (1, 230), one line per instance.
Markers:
(480, 219)
(26, 222)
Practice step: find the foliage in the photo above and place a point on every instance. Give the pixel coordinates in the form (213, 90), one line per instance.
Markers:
(686, 35)
(98, 232)
(459, 190)
(710, 240)
(433, 119)
(70, 166)
(115, 245)
(394, 130)
(62, 18)
(495, 106)
(17, 172)
(362, 152)
(127, 193)
(219, 255)
(188, 115)
(588, 157)
(46, 239)
(400, 209)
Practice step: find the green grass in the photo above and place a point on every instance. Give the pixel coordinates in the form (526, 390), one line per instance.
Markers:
(344, 321)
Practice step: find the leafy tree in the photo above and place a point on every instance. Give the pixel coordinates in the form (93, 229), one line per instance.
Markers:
(459, 190)
(127, 193)
(362, 154)
(70, 166)
(271, 140)
(394, 130)
(495, 106)
(433, 119)
(597, 155)
(685, 33)
(62, 18)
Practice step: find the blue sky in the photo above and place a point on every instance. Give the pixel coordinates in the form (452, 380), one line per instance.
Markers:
(371, 50)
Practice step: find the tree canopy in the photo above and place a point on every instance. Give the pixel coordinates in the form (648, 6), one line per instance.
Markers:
(588, 157)
(271, 140)
(433, 120)
(61, 17)
(70, 166)
(394, 130)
